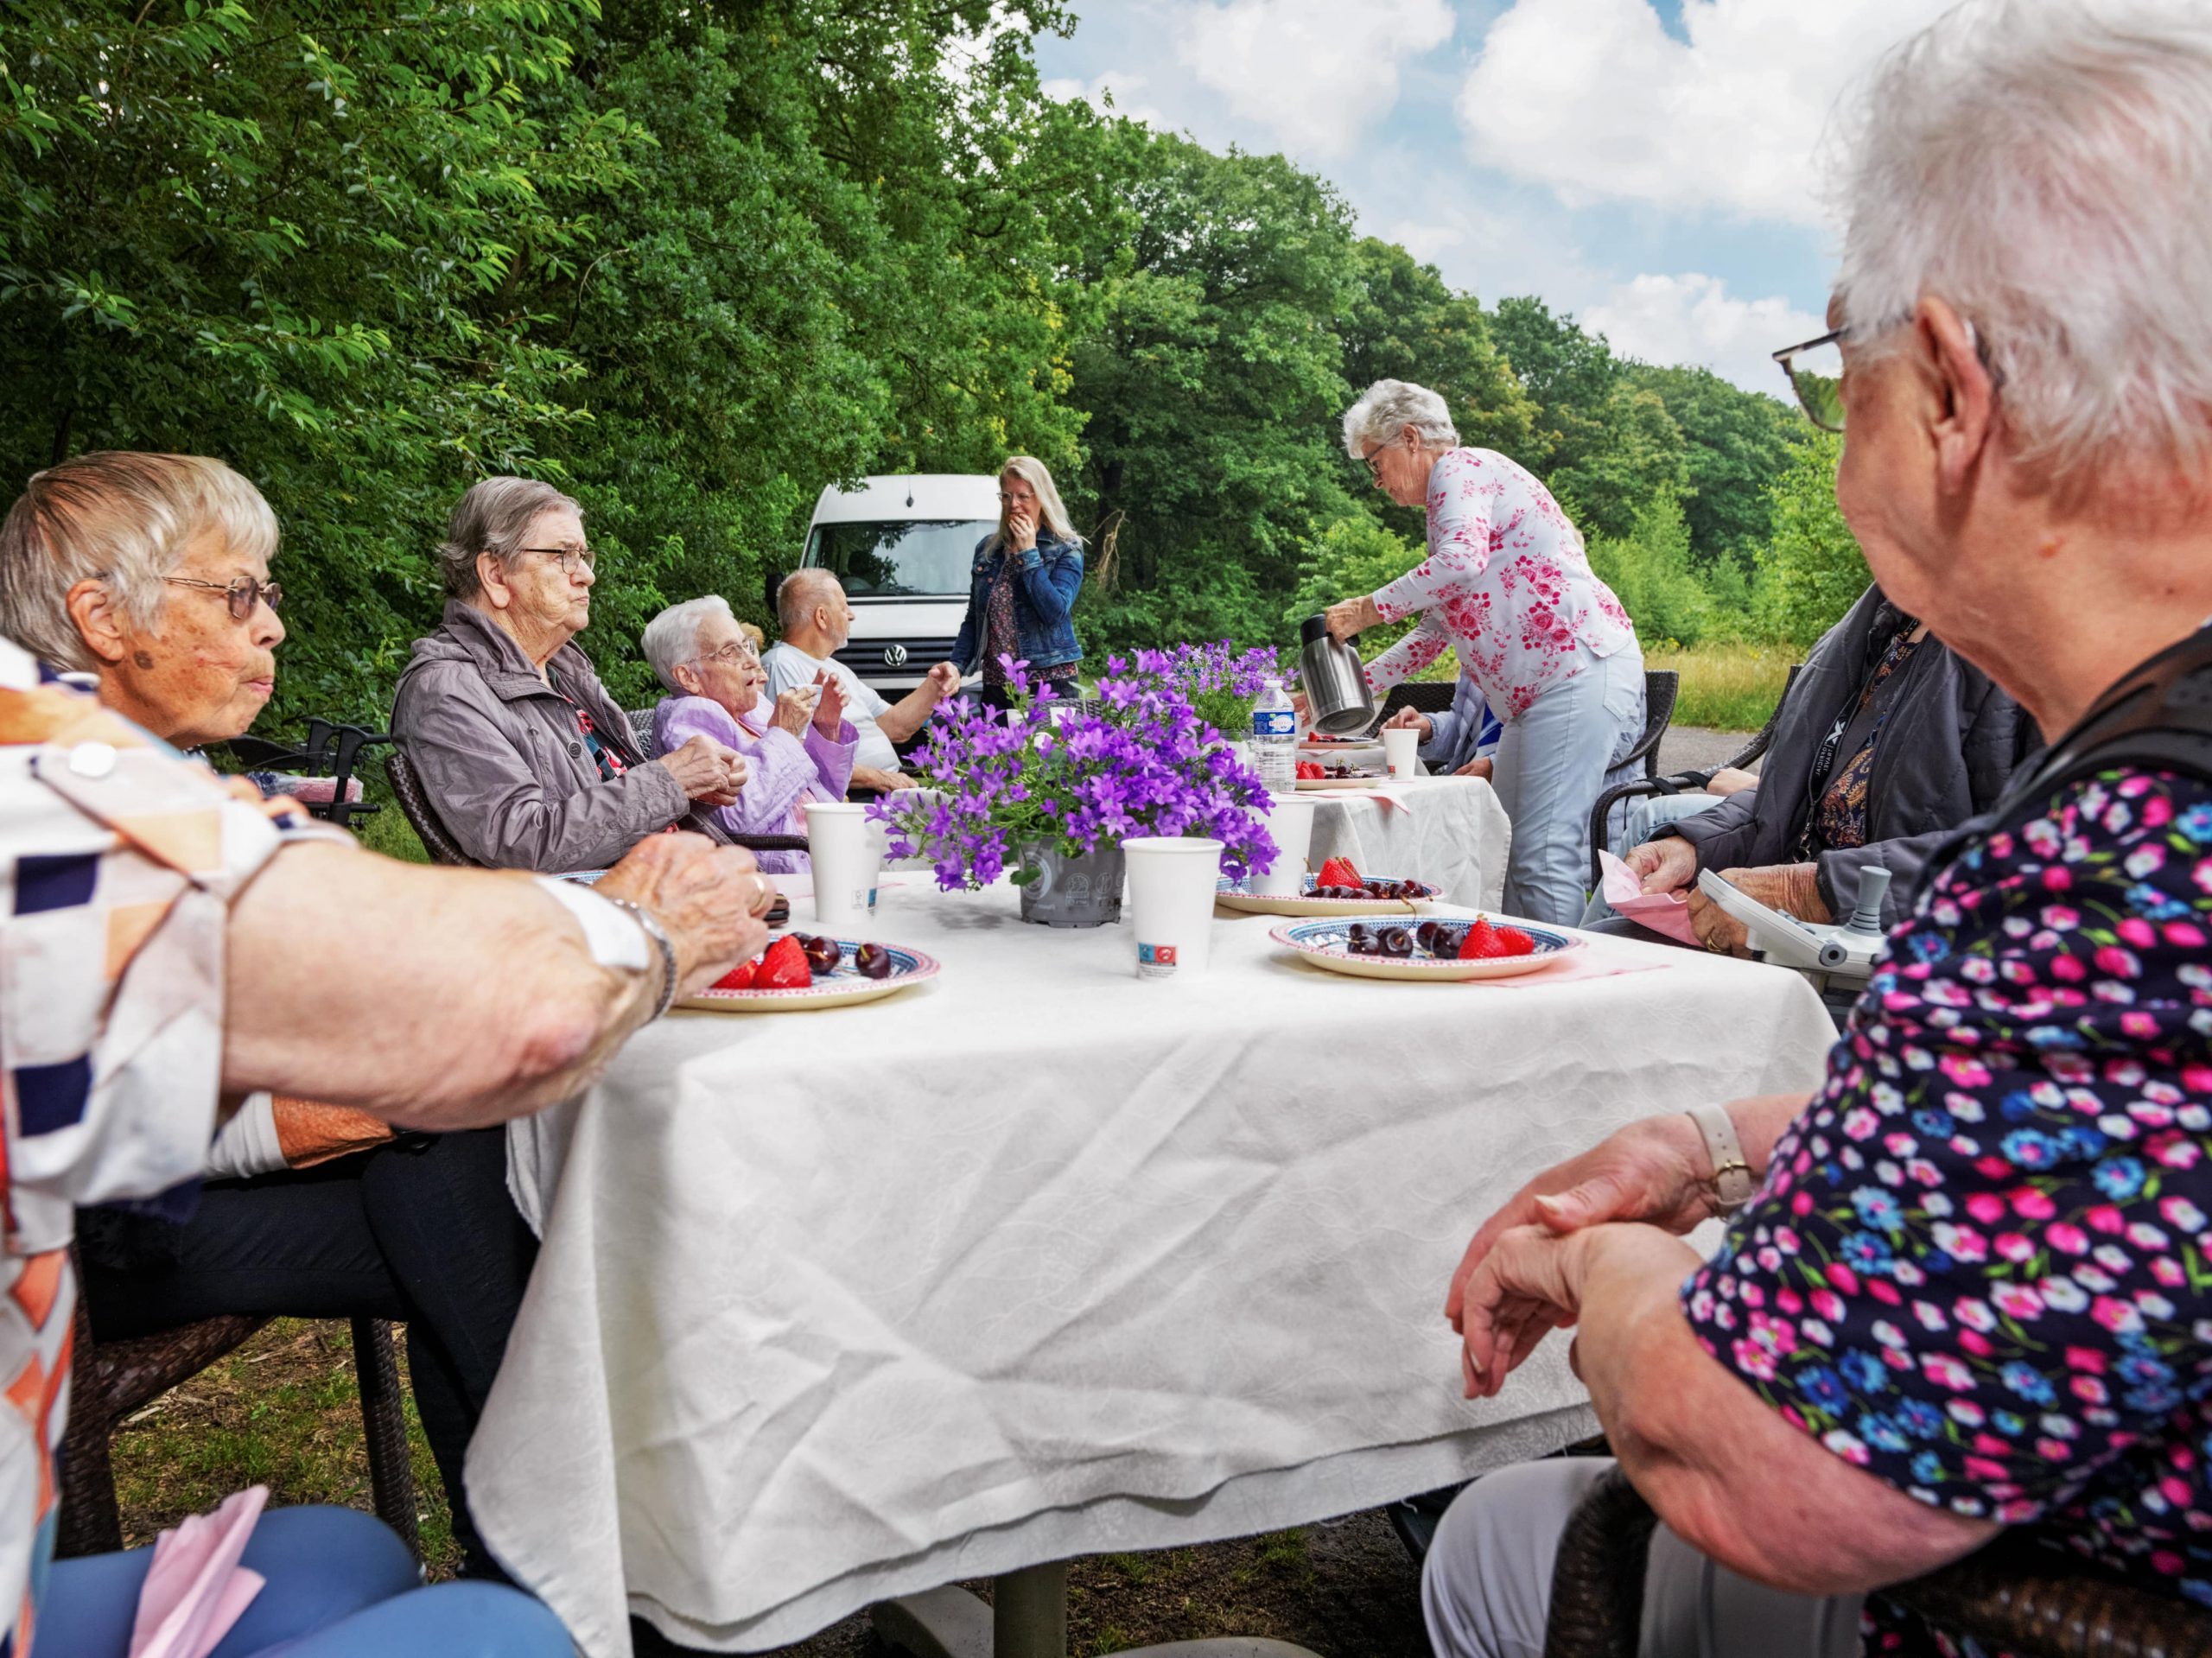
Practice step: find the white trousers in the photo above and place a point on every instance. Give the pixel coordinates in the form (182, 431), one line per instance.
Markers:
(1487, 1585)
(1551, 766)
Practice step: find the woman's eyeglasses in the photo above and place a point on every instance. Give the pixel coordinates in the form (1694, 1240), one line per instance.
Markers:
(244, 593)
(1373, 461)
(1815, 372)
(569, 557)
(736, 651)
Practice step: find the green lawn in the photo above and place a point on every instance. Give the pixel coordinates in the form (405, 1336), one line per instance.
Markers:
(1728, 687)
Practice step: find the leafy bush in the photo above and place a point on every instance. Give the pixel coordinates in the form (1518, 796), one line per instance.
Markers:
(1811, 571)
(1649, 571)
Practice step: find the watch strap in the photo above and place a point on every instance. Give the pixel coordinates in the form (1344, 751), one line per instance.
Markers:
(1732, 1182)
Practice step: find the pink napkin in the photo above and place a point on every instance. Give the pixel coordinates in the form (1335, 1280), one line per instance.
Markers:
(1664, 913)
(196, 1589)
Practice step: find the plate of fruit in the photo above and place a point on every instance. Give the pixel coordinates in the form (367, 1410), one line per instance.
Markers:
(1337, 774)
(1316, 743)
(1437, 947)
(800, 971)
(1336, 889)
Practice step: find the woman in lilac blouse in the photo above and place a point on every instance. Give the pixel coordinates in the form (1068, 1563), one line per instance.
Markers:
(802, 749)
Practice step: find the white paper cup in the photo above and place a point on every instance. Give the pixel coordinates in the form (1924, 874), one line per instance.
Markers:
(844, 864)
(1290, 824)
(1171, 883)
(1400, 750)
(878, 849)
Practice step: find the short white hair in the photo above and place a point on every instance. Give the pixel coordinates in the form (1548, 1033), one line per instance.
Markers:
(2045, 170)
(797, 594)
(1388, 407)
(672, 638)
(124, 518)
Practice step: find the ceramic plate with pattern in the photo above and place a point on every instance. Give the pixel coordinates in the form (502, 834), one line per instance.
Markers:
(841, 988)
(1364, 781)
(1238, 895)
(1323, 944)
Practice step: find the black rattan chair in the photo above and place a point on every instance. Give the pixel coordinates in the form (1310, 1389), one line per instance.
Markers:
(1429, 696)
(108, 1381)
(2013, 1596)
(1679, 781)
(332, 751)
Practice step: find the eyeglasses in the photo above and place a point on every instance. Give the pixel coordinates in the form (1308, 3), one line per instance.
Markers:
(569, 557)
(244, 593)
(1815, 372)
(736, 650)
(1372, 462)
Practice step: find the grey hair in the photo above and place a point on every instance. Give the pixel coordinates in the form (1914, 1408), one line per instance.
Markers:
(122, 518)
(799, 593)
(1388, 407)
(492, 517)
(672, 638)
(2044, 170)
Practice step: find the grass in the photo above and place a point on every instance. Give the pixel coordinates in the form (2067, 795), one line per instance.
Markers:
(1728, 687)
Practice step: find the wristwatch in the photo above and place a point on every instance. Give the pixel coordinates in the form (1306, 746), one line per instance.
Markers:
(1732, 1184)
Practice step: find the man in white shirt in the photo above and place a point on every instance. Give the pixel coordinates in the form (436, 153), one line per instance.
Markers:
(815, 620)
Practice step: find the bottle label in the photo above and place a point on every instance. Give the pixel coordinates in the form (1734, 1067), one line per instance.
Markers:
(1273, 722)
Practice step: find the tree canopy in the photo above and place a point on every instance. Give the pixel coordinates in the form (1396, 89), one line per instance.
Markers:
(694, 261)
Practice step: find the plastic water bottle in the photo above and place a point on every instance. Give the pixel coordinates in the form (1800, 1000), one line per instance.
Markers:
(1275, 739)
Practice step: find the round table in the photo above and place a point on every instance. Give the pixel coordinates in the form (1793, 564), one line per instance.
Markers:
(1041, 1260)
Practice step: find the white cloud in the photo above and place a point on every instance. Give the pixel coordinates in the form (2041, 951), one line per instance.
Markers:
(1595, 98)
(1315, 74)
(1693, 318)
(1111, 91)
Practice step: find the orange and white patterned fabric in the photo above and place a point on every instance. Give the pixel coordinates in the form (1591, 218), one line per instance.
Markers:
(117, 861)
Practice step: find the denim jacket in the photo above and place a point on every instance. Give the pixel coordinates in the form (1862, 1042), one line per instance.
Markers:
(1044, 587)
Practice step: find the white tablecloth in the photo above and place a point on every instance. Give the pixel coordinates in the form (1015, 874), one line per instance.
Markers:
(1041, 1260)
(1451, 832)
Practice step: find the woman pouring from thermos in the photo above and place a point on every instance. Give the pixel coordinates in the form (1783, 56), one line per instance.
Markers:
(1507, 586)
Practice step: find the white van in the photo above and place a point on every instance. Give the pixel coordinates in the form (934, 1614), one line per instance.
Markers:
(903, 546)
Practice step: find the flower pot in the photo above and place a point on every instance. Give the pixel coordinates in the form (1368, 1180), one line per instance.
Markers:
(1083, 892)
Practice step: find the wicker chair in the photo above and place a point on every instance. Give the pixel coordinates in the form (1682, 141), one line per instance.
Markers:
(1430, 696)
(2012, 1596)
(110, 1380)
(1679, 781)
(332, 751)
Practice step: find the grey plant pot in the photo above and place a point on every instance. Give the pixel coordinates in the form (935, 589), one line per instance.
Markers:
(1083, 892)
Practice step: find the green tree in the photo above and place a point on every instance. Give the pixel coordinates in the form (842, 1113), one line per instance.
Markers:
(1811, 571)
(1736, 444)
(1356, 555)
(1649, 572)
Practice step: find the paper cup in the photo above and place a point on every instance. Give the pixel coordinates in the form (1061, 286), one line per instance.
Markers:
(878, 849)
(844, 864)
(1400, 750)
(1171, 880)
(1290, 824)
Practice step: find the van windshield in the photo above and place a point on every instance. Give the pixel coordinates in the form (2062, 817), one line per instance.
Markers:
(904, 558)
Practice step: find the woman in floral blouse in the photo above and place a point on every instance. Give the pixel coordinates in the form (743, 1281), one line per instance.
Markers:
(1506, 586)
(1971, 1291)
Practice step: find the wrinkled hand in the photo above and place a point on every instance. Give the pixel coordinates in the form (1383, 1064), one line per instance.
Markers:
(874, 777)
(1411, 719)
(1529, 1285)
(1789, 888)
(795, 708)
(1021, 528)
(710, 899)
(829, 712)
(944, 679)
(706, 771)
(1655, 1170)
(1352, 617)
(1728, 780)
(1481, 768)
(1666, 865)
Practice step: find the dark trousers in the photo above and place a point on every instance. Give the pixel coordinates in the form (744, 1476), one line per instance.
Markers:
(422, 1231)
(1065, 690)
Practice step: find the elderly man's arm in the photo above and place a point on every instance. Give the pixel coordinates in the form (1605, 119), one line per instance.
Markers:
(461, 997)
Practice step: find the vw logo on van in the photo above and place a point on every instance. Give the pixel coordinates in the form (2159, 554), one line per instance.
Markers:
(894, 656)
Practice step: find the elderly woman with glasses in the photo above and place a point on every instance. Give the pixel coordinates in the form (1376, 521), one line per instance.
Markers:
(527, 760)
(801, 750)
(1507, 587)
(1961, 1292)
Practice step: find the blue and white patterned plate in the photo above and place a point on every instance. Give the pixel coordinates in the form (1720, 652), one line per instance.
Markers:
(1324, 945)
(1238, 895)
(842, 987)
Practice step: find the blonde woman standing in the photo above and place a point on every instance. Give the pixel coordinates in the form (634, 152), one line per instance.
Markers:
(1021, 592)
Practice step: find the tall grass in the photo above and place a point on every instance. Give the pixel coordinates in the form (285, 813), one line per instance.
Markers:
(1728, 687)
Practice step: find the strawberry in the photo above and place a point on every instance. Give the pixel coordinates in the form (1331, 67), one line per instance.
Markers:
(1516, 942)
(1482, 944)
(1338, 872)
(784, 967)
(739, 977)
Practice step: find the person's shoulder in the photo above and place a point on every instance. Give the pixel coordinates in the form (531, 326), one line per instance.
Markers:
(2142, 837)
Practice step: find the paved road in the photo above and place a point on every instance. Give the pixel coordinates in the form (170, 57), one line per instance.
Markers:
(1686, 748)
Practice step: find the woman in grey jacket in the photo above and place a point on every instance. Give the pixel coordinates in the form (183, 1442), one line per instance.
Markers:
(1887, 743)
(527, 760)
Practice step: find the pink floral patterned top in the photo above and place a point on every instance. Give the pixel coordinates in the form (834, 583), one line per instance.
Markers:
(1506, 585)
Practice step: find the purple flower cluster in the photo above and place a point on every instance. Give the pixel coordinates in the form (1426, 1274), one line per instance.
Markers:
(1136, 759)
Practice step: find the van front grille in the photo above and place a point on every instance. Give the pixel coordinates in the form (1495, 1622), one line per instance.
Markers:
(907, 655)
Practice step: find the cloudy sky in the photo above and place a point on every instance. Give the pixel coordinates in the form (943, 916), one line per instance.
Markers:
(1648, 165)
